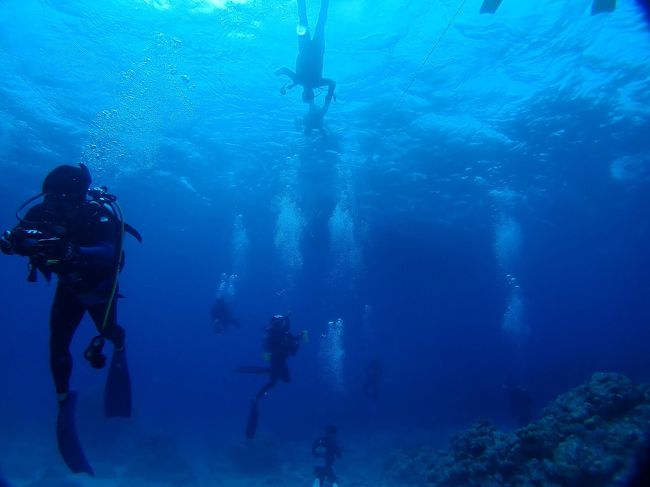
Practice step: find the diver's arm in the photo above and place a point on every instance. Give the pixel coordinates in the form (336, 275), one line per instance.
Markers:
(100, 255)
(331, 86)
(284, 71)
(326, 106)
(322, 19)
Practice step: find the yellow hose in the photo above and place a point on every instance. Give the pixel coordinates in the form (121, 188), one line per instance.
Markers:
(120, 248)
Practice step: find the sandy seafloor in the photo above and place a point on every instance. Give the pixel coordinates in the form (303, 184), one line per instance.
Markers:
(131, 457)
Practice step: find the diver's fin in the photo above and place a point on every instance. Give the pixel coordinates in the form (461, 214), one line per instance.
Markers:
(251, 426)
(66, 436)
(603, 6)
(117, 395)
(490, 6)
(252, 369)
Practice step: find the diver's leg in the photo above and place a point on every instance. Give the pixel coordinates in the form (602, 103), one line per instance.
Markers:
(110, 330)
(117, 393)
(332, 477)
(65, 316)
(331, 86)
(286, 72)
(283, 372)
(303, 27)
(266, 388)
(302, 14)
(319, 34)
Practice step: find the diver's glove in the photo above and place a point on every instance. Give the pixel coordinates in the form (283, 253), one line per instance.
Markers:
(6, 243)
(55, 248)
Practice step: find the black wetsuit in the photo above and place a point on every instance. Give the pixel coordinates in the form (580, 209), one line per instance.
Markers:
(311, 51)
(221, 316)
(372, 380)
(85, 281)
(331, 452)
(281, 344)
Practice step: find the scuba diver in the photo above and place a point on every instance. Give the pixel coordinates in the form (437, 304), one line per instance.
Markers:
(521, 404)
(279, 345)
(221, 317)
(309, 63)
(373, 372)
(77, 233)
(313, 119)
(326, 447)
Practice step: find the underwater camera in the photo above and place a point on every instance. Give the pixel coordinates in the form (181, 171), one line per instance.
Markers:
(25, 240)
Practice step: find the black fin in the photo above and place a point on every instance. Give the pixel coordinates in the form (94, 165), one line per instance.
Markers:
(117, 395)
(67, 439)
(251, 426)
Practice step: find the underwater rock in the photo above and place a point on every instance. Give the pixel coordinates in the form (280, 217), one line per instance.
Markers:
(587, 436)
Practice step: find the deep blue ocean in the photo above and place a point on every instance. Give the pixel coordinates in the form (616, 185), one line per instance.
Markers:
(476, 215)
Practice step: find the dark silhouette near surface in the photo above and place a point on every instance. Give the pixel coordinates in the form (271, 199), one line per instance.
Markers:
(311, 51)
(309, 69)
(372, 379)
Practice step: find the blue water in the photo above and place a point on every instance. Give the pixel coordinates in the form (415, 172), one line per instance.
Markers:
(473, 221)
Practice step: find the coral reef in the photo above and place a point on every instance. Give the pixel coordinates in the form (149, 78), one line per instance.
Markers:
(586, 437)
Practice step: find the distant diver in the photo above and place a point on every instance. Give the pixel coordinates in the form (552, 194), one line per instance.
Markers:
(521, 404)
(222, 318)
(77, 233)
(279, 345)
(313, 119)
(327, 448)
(373, 372)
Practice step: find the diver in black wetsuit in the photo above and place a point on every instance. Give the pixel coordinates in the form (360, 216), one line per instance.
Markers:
(373, 373)
(326, 447)
(313, 119)
(279, 345)
(221, 316)
(78, 238)
(309, 63)
(521, 404)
